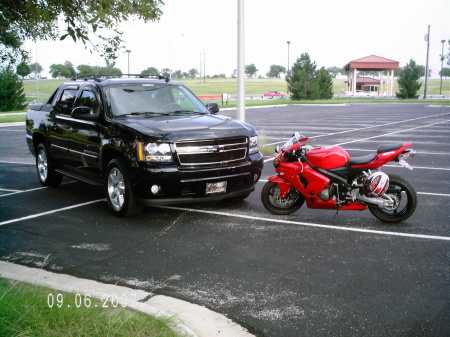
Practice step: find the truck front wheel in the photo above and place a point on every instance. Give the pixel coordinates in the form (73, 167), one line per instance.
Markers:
(45, 168)
(119, 191)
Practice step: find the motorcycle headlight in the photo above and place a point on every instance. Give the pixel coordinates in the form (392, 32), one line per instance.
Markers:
(154, 152)
(253, 145)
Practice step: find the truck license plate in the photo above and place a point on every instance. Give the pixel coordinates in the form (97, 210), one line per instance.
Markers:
(220, 187)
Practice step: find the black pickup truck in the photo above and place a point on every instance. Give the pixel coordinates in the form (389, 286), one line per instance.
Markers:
(148, 141)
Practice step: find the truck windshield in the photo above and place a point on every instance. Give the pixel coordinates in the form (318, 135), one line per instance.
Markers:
(152, 99)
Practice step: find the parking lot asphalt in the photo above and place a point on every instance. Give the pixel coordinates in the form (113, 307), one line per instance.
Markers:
(311, 273)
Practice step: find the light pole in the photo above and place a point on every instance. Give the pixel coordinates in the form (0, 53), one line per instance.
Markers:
(442, 65)
(287, 72)
(240, 61)
(427, 36)
(128, 52)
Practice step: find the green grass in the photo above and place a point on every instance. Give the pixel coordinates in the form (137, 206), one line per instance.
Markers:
(252, 86)
(25, 311)
(229, 85)
(12, 118)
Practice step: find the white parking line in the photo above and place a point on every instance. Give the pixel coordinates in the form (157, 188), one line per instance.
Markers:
(397, 166)
(16, 162)
(370, 127)
(392, 133)
(50, 212)
(349, 229)
(6, 190)
(19, 191)
(421, 167)
(418, 152)
(31, 189)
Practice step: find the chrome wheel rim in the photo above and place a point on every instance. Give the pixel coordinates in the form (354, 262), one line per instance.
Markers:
(42, 165)
(116, 188)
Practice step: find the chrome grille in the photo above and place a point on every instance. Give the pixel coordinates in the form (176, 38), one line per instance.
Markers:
(212, 151)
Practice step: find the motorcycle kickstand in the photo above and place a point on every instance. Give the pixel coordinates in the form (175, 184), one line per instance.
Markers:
(335, 215)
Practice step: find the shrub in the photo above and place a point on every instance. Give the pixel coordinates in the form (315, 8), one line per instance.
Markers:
(12, 96)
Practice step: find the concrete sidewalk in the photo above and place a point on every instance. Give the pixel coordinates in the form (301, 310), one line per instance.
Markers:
(190, 319)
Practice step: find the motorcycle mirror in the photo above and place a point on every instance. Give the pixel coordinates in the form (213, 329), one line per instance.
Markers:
(277, 149)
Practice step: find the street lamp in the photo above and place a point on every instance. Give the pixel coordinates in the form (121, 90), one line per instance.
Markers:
(128, 52)
(442, 64)
(287, 72)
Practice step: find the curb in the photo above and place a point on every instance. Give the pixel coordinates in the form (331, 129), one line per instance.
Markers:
(4, 125)
(190, 319)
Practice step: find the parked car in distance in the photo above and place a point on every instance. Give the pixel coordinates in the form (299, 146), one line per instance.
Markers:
(276, 94)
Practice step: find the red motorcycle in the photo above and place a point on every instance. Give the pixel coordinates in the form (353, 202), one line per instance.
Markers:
(328, 178)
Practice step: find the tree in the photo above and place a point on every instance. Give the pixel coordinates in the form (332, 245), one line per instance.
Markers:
(408, 81)
(11, 91)
(193, 73)
(177, 74)
(36, 69)
(325, 84)
(23, 69)
(335, 71)
(445, 72)
(85, 21)
(250, 70)
(165, 72)
(276, 71)
(65, 70)
(150, 71)
(86, 69)
(302, 79)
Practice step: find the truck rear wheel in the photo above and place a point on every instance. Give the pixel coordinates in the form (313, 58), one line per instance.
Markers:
(45, 168)
(119, 190)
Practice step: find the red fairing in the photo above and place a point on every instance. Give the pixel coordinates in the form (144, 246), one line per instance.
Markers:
(328, 157)
(384, 157)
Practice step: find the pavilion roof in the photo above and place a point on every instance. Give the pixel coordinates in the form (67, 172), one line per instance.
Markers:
(372, 62)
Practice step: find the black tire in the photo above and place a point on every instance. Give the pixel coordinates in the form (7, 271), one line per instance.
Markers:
(405, 198)
(45, 167)
(270, 197)
(119, 191)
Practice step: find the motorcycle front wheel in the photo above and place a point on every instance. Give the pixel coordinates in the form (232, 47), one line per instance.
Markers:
(405, 201)
(272, 201)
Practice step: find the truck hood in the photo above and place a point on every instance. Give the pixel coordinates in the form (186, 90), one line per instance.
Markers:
(185, 124)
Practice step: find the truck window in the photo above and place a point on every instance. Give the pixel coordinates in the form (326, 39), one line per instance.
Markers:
(52, 97)
(89, 99)
(67, 100)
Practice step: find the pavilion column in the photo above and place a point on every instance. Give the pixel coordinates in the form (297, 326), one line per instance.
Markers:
(379, 86)
(354, 81)
(392, 83)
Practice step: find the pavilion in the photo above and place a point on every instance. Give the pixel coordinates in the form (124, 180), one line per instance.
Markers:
(373, 63)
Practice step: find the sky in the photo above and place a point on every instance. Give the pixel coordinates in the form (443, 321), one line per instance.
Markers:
(332, 32)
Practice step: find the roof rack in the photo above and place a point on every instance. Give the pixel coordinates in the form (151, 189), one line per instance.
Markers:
(101, 77)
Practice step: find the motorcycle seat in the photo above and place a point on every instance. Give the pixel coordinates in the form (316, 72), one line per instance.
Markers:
(389, 147)
(361, 160)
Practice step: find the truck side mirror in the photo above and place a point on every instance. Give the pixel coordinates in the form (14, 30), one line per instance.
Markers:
(84, 113)
(213, 107)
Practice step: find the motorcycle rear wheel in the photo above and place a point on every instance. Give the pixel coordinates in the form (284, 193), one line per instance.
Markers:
(270, 197)
(405, 197)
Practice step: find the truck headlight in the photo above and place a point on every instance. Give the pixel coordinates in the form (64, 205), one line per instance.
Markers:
(154, 152)
(253, 146)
